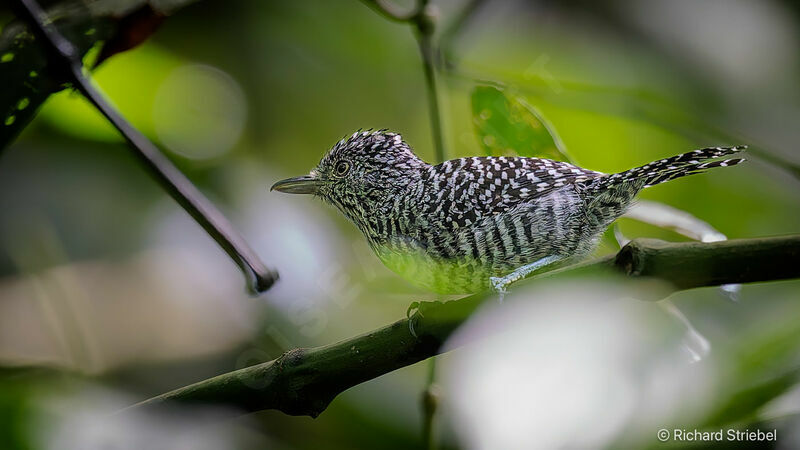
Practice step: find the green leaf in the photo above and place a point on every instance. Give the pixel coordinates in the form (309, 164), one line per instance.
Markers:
(506, 125)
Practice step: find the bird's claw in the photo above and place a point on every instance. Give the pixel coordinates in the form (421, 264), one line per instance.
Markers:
(500, 285)
(411, 307)
(413, 317)
(415, 312)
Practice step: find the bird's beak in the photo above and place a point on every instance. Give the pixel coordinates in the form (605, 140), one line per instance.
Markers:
(307, 184)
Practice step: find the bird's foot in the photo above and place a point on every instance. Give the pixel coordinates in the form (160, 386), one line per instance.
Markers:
(500, 285)
(412, 307)
(415, 312)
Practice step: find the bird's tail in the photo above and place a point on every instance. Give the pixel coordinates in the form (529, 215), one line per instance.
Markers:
(610, 195)
(668, 169)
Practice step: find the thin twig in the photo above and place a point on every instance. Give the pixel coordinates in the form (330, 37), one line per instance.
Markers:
(390, 12)
(422, 20)
(426, 48)
(67, 60)
(305, 381)
(430, 404)
(449, 35)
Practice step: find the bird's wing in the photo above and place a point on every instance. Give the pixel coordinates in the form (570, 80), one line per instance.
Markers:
(468, 189)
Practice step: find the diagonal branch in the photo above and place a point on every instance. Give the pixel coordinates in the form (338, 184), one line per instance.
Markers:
(66, 60)
(305, 381)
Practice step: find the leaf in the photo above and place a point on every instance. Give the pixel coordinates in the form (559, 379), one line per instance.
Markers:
(507, 125)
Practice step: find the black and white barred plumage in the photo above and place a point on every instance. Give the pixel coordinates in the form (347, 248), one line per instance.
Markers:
(454, 226)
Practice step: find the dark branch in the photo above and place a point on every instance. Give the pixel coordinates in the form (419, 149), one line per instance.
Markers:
(305, 381)
(694, 264)
(67, 60)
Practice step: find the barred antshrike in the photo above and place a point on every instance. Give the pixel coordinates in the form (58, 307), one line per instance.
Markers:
(471, 223)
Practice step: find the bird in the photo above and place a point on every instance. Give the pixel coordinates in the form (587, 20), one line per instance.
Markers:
(479, 223)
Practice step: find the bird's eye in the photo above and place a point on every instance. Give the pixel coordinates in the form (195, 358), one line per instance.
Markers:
(342, 167)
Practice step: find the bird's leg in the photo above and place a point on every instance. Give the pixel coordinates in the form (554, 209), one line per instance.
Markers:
(500, 284)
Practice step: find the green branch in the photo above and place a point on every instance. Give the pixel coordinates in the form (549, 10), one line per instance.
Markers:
(305, 381)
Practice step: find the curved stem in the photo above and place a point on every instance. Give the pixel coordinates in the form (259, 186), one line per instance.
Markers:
(428, 52)
(421, 18)
(430, 403)
(390, 12)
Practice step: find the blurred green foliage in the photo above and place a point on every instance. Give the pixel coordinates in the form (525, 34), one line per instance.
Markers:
(149, 66)
(314, 71)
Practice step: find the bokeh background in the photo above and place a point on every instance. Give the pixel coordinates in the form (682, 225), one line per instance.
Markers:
(110, 293)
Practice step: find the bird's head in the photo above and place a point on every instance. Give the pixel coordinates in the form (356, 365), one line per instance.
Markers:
(359, 173)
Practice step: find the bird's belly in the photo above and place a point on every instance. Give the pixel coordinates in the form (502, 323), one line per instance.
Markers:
(422, 267)
(463, 260)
